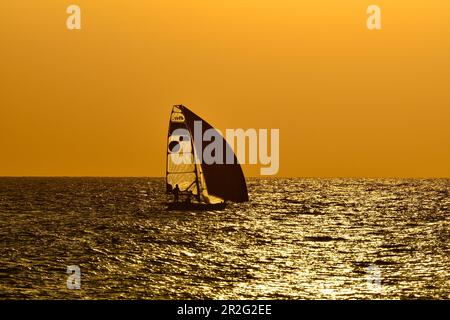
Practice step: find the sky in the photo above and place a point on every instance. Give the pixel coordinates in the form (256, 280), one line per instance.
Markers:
(349, 102)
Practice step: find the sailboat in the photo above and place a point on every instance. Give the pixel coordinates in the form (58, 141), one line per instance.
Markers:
(193, 183)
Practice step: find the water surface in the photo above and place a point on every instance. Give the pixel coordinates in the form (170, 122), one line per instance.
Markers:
(295, 239)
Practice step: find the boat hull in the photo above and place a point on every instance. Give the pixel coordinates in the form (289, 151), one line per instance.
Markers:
(182, 206)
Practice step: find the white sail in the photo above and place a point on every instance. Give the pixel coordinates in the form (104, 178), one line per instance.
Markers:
(181, 167)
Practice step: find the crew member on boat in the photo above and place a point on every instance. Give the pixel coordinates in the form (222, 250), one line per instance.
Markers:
(176, 193)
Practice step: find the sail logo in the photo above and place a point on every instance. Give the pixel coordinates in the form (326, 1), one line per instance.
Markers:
(209, 147)
(177, 117)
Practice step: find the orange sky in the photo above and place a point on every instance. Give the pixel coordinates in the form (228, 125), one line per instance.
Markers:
(348, 101)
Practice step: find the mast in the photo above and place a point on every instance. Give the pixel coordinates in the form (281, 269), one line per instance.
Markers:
(193, 156)
(196, 167)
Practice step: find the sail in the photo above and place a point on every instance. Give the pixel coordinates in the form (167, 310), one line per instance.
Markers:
(212, 182)
(181, 168)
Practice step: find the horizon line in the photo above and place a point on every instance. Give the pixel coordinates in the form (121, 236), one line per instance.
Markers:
(252, 176)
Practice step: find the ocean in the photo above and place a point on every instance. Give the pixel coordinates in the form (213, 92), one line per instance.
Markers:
(295, 239)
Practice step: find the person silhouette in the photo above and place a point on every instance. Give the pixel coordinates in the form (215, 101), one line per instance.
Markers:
(176, 193)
